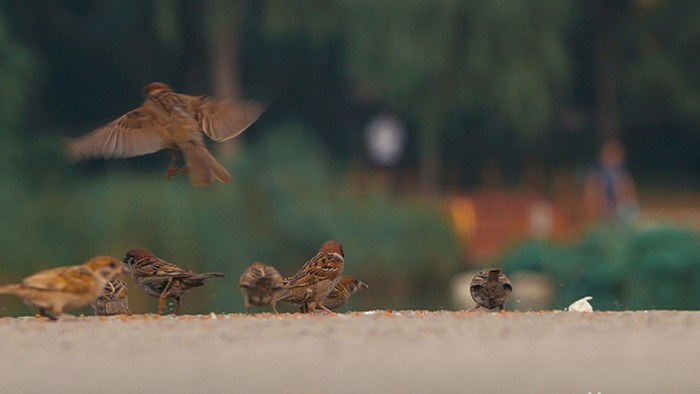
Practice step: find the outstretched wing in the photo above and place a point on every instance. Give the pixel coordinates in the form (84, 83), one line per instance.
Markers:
(132, 134)
(223, 120)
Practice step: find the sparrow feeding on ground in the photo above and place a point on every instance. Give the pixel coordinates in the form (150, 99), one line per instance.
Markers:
(315, 280)
(490, 289)
(161, 279)
(60, 289)
(174, 121)
(340, 294)
(260, 285)
(113, 300)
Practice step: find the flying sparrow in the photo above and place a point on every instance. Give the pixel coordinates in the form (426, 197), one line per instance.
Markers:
(60, 289)
(490, 289)
(174, 121)
(315, 280)
(260, 285)
(340, 294)
(113, 300)
(161, 279)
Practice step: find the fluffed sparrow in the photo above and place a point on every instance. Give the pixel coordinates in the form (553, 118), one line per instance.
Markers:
(161, 279)
(174, 121)
(260, 285)
(340, 294)
(114, 299)
(315, 280)
(490, 289)
(60, 289)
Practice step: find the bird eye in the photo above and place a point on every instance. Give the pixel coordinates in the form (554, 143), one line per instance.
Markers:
(112, 265)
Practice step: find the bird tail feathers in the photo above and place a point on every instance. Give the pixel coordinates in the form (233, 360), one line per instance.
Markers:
(202, 166)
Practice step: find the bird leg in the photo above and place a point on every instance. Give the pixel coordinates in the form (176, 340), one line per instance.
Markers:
(172, 168)
(246, 299)
(320, 305)
(274, 309)
(42, 312)
(163, 297)
(179, 304)
(161, 304)
(307, 307)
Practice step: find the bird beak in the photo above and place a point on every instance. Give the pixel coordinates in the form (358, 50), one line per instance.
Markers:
(126, 268)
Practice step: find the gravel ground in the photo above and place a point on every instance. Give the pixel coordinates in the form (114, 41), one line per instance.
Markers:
(376, 352)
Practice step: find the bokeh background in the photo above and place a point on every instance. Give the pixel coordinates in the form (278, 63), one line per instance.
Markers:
(557, 139)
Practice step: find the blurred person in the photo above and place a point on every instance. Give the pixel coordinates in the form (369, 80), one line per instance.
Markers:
(610, 192)
(385, 136)
(385, 140)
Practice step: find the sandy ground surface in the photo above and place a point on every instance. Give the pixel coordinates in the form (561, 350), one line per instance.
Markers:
(375, 352)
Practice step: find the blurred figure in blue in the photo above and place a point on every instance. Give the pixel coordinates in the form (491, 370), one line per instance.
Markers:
(610, 192)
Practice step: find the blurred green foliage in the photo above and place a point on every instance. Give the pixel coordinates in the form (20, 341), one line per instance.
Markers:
(622, 267)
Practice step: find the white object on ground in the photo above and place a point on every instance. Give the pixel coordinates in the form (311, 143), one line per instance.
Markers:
(581, 305)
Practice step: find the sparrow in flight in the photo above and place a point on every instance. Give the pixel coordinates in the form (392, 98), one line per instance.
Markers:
(173, 121)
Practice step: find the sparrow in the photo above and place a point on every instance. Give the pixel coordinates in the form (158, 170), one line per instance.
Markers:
(490, 289)
(316, 278)
(260, 285)
(581, 305)
(60, 289)
(113, 300)
(161, 279)
(340, 294)
(176, 122)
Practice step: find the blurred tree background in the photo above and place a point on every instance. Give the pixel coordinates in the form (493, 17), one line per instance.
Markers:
(493, 95)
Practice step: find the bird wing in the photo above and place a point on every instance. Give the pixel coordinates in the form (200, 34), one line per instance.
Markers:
(320, 267)
(162, 269)
(223, 120)
(115, 289)
(275, 277)
(251, 275)
(132, 134)
(74, 279)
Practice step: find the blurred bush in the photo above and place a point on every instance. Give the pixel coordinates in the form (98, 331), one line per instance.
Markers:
(622, 267)
(285, 198)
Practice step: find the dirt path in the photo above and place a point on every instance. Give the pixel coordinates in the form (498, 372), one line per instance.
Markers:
(375, 352)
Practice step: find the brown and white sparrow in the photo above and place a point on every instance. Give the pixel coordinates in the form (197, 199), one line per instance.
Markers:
(114, 299)
(315, 280)
(161, 279)
(490, 289)
(340, 294)
(60, 289)
(260, 285)
(174, 121)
